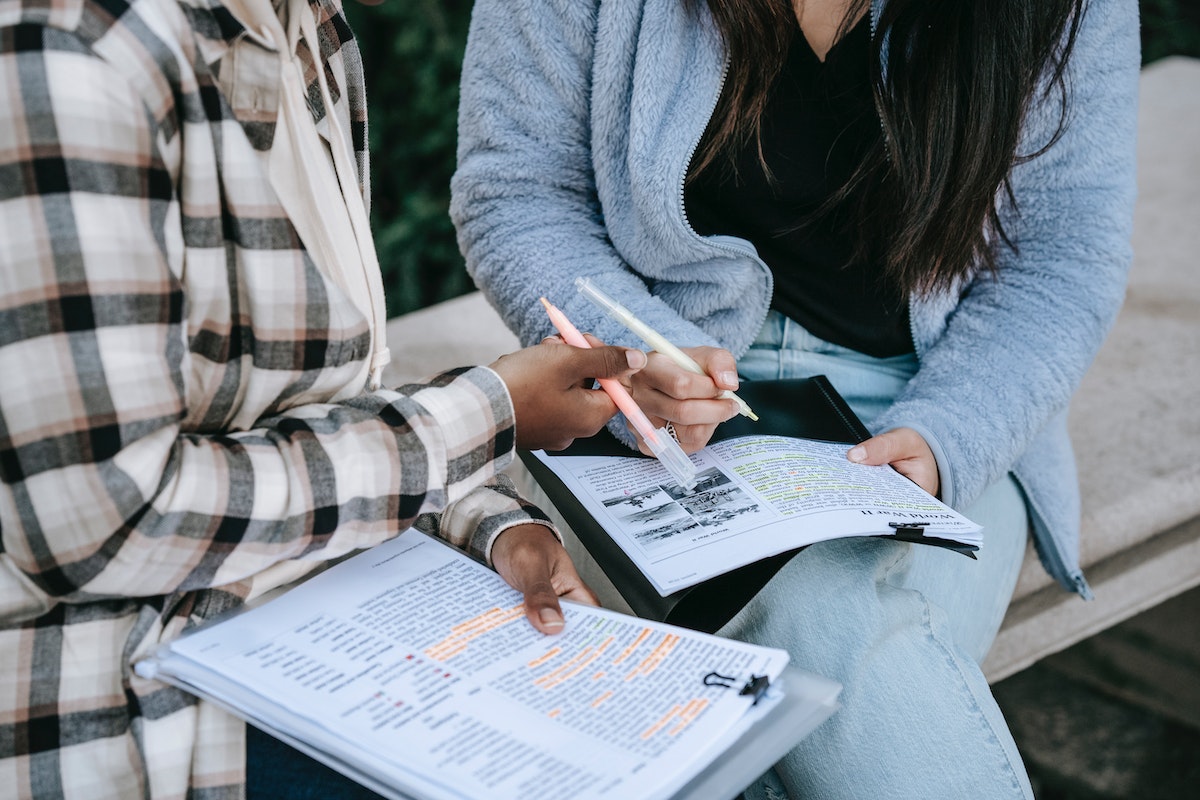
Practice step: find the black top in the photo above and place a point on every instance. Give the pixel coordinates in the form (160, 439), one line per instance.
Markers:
(818, 124)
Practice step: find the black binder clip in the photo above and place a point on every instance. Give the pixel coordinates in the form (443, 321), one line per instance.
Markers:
(717, 679)
(757, 686)
(909, 528)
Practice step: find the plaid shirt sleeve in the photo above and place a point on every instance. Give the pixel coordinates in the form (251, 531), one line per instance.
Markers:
(126, 469)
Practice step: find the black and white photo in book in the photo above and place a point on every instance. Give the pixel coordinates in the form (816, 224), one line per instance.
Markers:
(757, 496)
(763, 489)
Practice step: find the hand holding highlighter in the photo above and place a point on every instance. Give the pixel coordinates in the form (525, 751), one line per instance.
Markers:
(664, 447)
(653, 339)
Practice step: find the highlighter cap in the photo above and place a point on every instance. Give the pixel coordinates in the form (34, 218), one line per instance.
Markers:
(671, 456)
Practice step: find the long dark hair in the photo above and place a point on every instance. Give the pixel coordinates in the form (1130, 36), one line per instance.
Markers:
(960, 77)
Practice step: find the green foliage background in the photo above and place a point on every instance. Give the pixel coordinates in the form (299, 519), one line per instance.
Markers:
(412, 55)
(412, 52)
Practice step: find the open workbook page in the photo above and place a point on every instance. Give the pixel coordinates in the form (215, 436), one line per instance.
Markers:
(756, 496)
(413, 669)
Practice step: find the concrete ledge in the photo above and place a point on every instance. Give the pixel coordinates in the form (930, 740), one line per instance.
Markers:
(1133, 422)
(1048, 620)
(456, 333)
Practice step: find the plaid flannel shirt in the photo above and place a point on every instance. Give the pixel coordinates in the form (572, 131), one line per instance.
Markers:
(181, 426)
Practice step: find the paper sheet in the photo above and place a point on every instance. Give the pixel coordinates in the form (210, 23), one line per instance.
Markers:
(383, 651)
(755, 496)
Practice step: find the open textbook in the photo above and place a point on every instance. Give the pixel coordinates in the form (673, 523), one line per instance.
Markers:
(758, 494)
(412, 669)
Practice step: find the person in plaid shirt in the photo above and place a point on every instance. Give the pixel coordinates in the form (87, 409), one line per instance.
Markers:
(186, 418)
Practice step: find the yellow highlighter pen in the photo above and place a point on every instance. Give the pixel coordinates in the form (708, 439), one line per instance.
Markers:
(653, 339)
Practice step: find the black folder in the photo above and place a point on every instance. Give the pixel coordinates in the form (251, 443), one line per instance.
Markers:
(804, 408)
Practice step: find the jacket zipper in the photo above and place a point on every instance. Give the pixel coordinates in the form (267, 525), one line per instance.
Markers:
(873, 18)
(1050, 550)
(719, 245)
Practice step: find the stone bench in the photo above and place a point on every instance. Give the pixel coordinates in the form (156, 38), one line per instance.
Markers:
(1133, 421)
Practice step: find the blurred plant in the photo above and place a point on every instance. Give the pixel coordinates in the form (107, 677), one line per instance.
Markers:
(1170, 27)
(412, 55)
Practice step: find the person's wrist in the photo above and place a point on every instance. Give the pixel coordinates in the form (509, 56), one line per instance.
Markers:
(515, 538)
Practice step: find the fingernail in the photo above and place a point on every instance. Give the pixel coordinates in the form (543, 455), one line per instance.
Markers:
(550, 618)
(636, 358)
(728, 379)
(857, 454)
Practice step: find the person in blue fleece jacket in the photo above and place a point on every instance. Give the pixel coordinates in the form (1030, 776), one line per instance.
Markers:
(928, 202)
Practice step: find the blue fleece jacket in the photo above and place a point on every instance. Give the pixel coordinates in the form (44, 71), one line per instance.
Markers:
(578, 120)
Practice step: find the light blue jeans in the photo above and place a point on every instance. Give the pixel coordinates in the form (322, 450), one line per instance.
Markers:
(902, 627)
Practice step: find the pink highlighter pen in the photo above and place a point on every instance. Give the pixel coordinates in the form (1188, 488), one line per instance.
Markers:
(664, 447)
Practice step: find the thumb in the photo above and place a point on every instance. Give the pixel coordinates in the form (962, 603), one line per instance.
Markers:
(542, 608)
(610, 361)
(904, 449)
(882, 449)
(720, 366)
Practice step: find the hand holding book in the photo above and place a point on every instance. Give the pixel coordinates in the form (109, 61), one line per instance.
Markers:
(531, 560)
(764, 490)
(904, 450)
(410, 668)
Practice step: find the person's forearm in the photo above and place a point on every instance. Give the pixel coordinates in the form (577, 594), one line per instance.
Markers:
(474, 522)
(143, 449)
